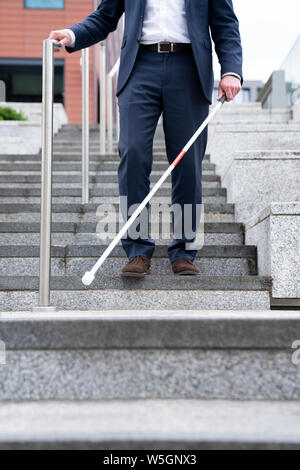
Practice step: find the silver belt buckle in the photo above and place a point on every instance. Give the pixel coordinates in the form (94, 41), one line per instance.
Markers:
(164, 43)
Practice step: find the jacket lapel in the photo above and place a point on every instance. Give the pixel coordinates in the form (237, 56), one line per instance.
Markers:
(143, 6)
(186, 4)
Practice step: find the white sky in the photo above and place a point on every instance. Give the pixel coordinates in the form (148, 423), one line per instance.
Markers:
(269, 29)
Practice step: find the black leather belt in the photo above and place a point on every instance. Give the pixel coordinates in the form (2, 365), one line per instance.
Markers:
(167, 47)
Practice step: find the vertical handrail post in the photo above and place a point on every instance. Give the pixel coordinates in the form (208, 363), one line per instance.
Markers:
(110, 105)
(117, 118)
(117, 123)
(46, 174)
(102, 97)
(109, 114)
(85, 125)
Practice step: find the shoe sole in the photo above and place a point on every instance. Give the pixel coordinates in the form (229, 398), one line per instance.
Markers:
(187, 273)
(136, 275)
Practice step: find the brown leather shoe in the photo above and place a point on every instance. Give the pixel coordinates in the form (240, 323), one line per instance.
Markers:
(184, 267)
(139, 266)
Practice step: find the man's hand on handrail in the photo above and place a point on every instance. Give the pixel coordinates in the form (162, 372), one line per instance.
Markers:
(62, 36)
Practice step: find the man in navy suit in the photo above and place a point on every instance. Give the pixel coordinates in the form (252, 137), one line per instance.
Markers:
(165, 67)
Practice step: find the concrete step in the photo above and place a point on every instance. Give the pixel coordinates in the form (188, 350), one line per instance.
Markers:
(150, 425)
(69, 200)
(72, 135)
(159, 165)
(73, 266)
(77, 239)
(86, 251)
(208, 168)
(62, 152)
(72, 142)
(198, 329)
(115, 292)
(73, 196)
(95, 200)
(68, 261)
(75, 355)
(85, 209)
(159, 283)
(76, 178)
(97, 189)
(224, 233)
(74, 154)
(86, 227)
(210, 216)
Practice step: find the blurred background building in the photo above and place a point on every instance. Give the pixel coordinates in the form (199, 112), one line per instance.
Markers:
(249, 93)
(21, 52)
(282, 90)
(21, 60)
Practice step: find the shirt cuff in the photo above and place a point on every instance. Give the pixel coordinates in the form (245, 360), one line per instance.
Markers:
(230, 73)
(72, 36)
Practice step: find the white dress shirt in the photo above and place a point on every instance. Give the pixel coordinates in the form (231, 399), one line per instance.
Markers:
(164, 20)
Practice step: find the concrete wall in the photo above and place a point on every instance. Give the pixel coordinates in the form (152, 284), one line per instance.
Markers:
(228, 138)
(24, 137)
(276, 232)
(256, 179)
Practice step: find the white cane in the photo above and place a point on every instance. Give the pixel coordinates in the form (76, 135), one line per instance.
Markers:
(89, 276)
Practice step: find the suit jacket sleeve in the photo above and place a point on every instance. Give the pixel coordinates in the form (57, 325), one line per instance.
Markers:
(225, 32)
(97, 25)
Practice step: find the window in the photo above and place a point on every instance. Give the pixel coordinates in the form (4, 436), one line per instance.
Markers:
(45, 4)
(23, 79)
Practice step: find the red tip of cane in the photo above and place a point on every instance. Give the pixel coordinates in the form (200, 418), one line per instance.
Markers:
(177, 159)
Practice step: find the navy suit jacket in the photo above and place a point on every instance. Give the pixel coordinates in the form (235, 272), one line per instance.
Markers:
(203, 17)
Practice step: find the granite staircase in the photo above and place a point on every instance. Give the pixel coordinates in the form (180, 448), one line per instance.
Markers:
(228, 278)
(200, 363)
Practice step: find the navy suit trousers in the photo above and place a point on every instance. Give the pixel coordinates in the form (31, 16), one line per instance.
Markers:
(168, 84)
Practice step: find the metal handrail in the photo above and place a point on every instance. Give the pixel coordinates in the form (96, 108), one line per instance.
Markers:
(106, 103)
(85, 124)
(46, 173)
(102, 97)
(47, 157)
(110, 135)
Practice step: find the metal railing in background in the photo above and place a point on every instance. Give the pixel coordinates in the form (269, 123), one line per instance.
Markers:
(102, 97)
(85, 124)
(47, 157)
(106, 131)
(46, 173)
(111, 98)
(107, 102)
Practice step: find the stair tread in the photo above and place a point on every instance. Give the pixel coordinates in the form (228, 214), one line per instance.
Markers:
(89, 227)
(212, 251)
(20, 192)
(151, 282)
(131, 329)
(194, 422)
(91, 208)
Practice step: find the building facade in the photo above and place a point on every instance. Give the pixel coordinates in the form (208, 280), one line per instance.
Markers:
(23, 26)
(282, 90)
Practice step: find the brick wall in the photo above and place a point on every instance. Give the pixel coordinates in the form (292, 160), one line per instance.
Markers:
(23, 30)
